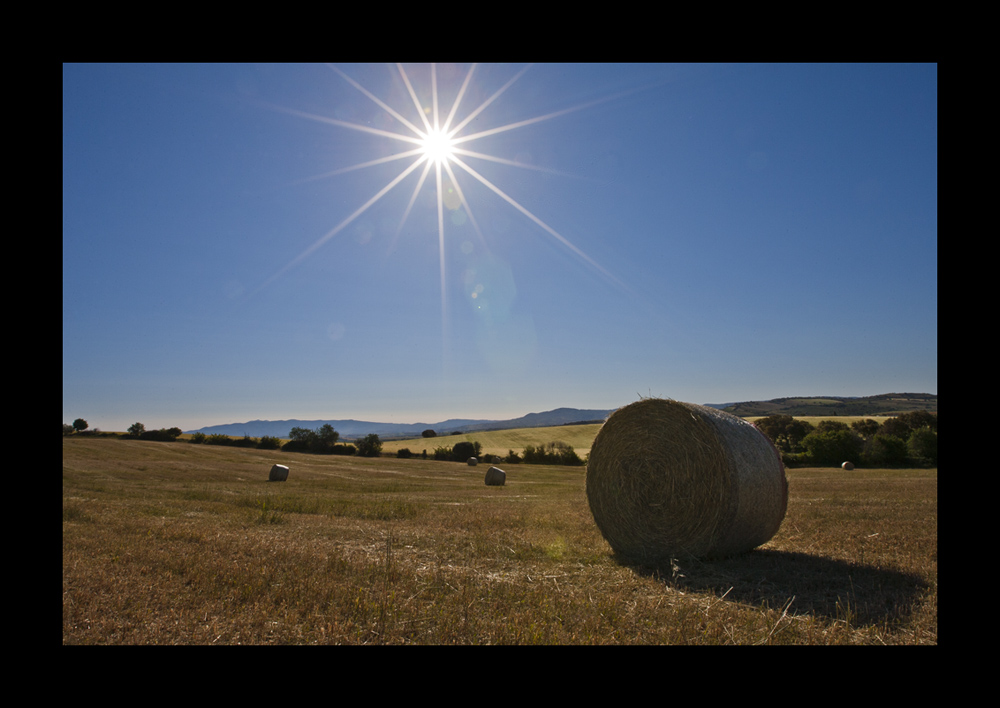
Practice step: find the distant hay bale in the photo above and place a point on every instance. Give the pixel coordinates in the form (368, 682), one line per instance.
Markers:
(495, 477)
(279, 473)
(473, 462)
(667, 479)
(848, 466)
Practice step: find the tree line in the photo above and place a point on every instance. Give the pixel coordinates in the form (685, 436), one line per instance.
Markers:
(909, 439)
(325, 440)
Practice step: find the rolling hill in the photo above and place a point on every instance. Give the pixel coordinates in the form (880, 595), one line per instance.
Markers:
(349, 429)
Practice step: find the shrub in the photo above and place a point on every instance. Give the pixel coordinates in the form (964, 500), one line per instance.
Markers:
(922, 445)
(161, 435)
(833, 447)
(198, 438)
(865, 428)
(218, 439)
(885, 450)
(553, 453)
(464, 450)
(404, 453)
(369, 446)
(269, 443)
(136, 429)
(429, 434)
(245, 441)
(785, 432)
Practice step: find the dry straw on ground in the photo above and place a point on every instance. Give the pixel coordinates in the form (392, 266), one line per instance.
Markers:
(667, 479)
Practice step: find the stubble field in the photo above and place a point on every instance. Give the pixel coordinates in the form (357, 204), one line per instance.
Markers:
(173, 543)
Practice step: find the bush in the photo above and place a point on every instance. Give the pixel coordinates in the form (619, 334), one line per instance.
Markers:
(429, 434)
(553, 453)
(922, 445)
(198, 438)
(404, 453)
(245, 441)
(785, 432)
(369, 446)
(885, 451)
(161, 435)
(218, 439)
(833, 447)
(268, 442)
(464, 450)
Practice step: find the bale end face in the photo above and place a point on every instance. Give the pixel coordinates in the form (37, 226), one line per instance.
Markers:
(495, 477)
(472, 462)
(279, 473)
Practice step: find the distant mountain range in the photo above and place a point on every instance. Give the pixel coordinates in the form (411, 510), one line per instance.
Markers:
(351, 429)
(883, 404)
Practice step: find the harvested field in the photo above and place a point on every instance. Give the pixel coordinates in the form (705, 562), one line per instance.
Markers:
(172, 543)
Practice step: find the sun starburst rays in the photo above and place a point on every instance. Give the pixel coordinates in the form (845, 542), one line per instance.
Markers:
(438, 146)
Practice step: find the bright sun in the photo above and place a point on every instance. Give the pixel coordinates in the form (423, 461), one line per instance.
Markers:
(437, 146)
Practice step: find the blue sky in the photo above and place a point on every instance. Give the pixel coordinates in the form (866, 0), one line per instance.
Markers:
(708, 233)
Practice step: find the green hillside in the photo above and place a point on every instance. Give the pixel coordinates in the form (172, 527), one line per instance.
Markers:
(499, 442)
(834, 406)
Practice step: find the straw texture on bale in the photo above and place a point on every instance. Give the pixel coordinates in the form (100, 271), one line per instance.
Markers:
(279, 473)
(667, 479)
(495, 477)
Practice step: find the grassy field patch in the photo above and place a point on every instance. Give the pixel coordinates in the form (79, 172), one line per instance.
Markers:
(172, 543)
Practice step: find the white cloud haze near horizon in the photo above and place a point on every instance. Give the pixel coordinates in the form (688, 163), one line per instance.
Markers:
(236, 244)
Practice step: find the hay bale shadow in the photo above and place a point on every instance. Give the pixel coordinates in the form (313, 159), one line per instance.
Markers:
(822, 587)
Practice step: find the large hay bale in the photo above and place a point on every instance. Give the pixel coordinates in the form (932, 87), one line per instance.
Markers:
(667, 479)
(495, 477)
(279, 473)
(472, 462)
(848, 466)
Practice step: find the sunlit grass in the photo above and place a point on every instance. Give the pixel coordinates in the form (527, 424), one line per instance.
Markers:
(200, 548)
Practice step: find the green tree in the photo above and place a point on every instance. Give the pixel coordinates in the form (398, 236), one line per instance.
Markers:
(825, 426)
(833, 447)
(885, 450)
(79, 425)
(865, 428)
(785, 432)
(462, 451)
(429, 434)
(327, 436)
(922, 445)
(136, 429)
(369, 446)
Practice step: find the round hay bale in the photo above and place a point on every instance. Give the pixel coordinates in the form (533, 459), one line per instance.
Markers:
(472, 461)
(495, 477)
(279, 473)
(667, 479)
(848, 466)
